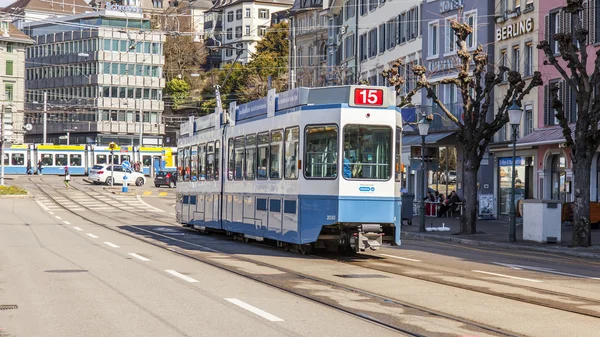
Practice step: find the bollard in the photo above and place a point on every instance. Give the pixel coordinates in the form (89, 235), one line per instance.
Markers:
(124, 189)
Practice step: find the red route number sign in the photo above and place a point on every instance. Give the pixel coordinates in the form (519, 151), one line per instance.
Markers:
(371, 97)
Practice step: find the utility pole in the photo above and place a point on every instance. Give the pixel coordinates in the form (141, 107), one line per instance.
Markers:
(45, 116)
(2, 147)
(141, 124)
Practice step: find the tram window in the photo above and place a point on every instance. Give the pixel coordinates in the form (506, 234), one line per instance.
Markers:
(100, 159)
(239, 158)
(194, 163)
(276, 154)
(217, 159)
(114, 160)
(47, 159)
(18, 159)
(202, 162)
(398, 154)
(6, 158)
(250, 171)
(186, 164)
(367, 152)
(75, 160)
(291, 153)
(210, 160)
(231, 165)
(179, 163)
(61, 160)
(125, 158)
(321, 149)
(263, 155)
(147, 160)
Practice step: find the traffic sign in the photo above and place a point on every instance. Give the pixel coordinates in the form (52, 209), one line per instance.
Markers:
(126, 165)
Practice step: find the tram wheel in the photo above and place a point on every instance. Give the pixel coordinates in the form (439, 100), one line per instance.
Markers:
(305, 249)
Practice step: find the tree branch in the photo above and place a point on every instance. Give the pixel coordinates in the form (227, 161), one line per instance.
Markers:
(545, 47)
(557, 105)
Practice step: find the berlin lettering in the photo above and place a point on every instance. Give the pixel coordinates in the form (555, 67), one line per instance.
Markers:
(514, 30)
(121, 8)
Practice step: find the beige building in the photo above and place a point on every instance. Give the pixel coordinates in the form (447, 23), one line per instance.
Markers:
(13, 44)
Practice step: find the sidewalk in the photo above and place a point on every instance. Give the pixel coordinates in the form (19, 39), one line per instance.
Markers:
(494, 233)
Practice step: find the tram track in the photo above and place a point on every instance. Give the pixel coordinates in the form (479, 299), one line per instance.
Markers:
(286, 281)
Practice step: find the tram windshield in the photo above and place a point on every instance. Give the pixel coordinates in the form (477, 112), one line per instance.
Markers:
(367, 152)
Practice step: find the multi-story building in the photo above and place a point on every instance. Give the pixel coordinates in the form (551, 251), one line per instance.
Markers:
(100, 74)
(515, 41)
(440, 59)
(12, 74)
(308, 44)
(23, 11)
(240, 24)
(185, 17)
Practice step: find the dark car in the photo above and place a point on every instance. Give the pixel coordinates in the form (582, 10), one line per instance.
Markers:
(165, 178)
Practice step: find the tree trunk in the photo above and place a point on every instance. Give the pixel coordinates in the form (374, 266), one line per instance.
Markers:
(468, 224)
(581, 214)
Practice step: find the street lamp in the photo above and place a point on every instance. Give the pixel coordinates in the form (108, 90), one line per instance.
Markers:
(423, 131)
(514, 117)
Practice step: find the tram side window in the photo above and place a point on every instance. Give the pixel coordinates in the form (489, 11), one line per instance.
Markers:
(321, 151)
(194, 163)
(217, 158)
(115, 159)
(231, 164)
(367, 152)
(61, 160)
(75, 160)
(250, 171)
(263, 155)
(100, 159)
(186, 164)
(18, 159)
(6, 158)
(125, 158)
(239, 158)
(147, 160)
(291, 153)
(202, 162)
(179, 164)
(276, 154)
(210, 160)
(47, 159)
(398, 154)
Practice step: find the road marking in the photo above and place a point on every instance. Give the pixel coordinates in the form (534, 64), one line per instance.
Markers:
(254, 310)
(163, 194)
(42, 205)
(51, 213)
(67, 223)
(139, 198)
(77, 228)
(91, 235)
(543, 270)
(111, 244)
(181, 276)
(146, 193)
(401, 258)
(56, 216)
(174, 239)
(508, 276)
(172, 213)
(139, 257)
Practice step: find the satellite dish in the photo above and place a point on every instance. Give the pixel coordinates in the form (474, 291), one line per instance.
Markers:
(28, 127)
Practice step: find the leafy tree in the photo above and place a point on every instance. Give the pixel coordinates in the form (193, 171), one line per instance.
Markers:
(184, 57)
(584, 82)
(179, 91)
(475, 80)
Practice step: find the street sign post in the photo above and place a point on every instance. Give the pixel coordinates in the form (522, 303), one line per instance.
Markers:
(126, 167)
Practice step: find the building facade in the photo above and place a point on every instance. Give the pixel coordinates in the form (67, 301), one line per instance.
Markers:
(101, 84)
(13, 44)
(24, 11)
(516, 38)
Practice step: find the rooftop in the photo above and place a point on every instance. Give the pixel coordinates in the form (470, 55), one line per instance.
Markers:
(49, 6)
(15, 35)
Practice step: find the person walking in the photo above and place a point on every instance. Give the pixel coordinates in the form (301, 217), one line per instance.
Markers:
(67, 177)
(39, 167)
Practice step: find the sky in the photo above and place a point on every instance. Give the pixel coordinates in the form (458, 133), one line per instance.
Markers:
(4, 3)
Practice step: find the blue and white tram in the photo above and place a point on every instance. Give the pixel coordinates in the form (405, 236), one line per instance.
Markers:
(307, 168)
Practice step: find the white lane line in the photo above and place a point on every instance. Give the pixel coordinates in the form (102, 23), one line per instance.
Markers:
(56, 216)
(172, 213)
(91, 235)
(399, 257)
(77, 228)
(51, 213)
(139, 257)
(507, 276)
(174, 239)
(67, 223)
(42, 205)
(254, 310)
(181, 276)
(139, 198)
(110, 244)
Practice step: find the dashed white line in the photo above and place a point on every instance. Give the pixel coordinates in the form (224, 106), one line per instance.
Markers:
(42, 205)
(507, 276)
(66, 223)
(91, 235)
(172, 213)
(51, 213)
(56, 216)
(181, 276)
(254, 310)
(77, 228)
(110, 244)
(139, 257)
(401, 258)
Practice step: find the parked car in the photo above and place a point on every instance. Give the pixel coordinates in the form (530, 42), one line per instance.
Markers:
(165, 178)
(102, 174)
(451, 177)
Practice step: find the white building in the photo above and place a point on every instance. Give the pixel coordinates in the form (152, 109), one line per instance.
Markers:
(36, 10)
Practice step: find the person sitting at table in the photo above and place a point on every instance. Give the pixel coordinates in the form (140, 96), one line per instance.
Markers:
(448, 203)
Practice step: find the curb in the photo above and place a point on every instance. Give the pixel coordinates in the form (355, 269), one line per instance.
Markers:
(470, 242)
(118, 192)
(17, 196)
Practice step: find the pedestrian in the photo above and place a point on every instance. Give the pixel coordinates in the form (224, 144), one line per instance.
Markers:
(39, 167)
(67, 177)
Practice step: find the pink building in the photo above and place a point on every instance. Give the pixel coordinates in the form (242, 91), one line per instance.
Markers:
(552, 161)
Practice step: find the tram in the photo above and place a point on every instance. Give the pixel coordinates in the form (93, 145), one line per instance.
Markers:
(306, 168)
(81, 158)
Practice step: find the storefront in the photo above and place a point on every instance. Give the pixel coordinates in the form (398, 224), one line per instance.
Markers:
(523, 181)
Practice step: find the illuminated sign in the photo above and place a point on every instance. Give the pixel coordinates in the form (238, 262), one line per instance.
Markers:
(121, 8)
(514, 30)
(366, 96)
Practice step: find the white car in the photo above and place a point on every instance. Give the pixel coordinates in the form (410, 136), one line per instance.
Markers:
(102, 174)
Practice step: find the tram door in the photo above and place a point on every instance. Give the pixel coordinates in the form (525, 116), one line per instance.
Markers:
(31, 159)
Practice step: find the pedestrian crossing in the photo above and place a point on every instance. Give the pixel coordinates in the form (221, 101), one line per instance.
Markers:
(79, 202)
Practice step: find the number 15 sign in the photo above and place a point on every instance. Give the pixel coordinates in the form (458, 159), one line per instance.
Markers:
(368, 97)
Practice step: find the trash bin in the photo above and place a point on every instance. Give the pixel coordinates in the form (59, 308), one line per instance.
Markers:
(407, 207)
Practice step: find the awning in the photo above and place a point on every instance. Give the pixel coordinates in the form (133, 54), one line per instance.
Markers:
(439, 138)
(544, 136)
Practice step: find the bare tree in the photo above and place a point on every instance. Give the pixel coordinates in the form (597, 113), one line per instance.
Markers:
(476, 80)
(585, 138)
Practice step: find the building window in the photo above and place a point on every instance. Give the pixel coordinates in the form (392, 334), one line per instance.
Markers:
(8, 92)
(349, 9)
(471, 20)
(247, 30)
(363, 7)
(300, 57)
(373, 43)
(433, 39)
(9, 47)
(262, 30)
(349, 46)
(229, 33)
(363, 47)
(503, 63)
(528, 120)
(450, 36)
(402, 28)
(238, 14)
(528, 71)
(382, 39)
(157, 3)
(9, 67)
(554, 21)
(238, 32)
(229, 16)
(311, 51)
(373, 4)
(248, 12)
(597, 22)
(413, 24)
(263, 13)
(516, 58)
